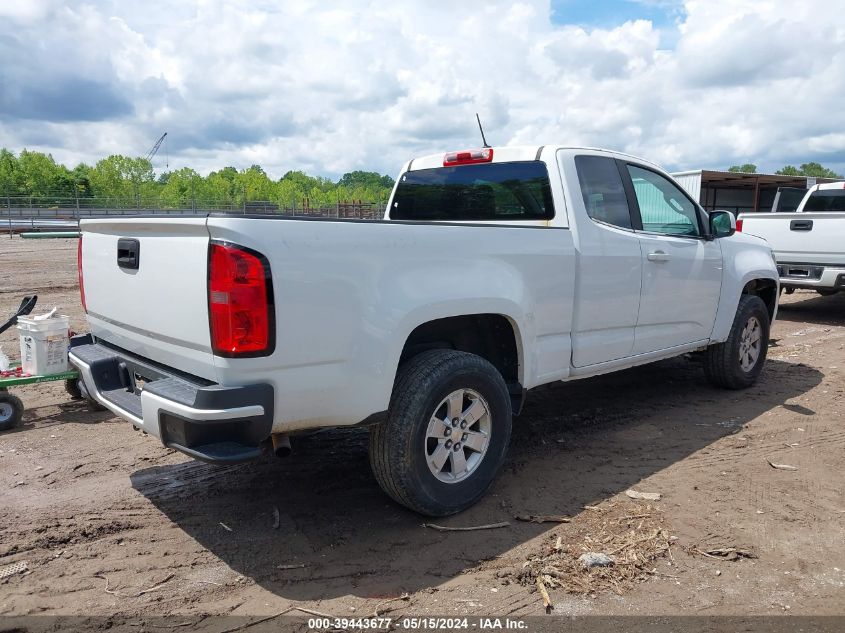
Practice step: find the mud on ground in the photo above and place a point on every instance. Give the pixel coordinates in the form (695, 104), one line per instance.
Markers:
(86, 500)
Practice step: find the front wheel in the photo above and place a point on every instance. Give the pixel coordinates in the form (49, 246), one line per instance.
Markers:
(736, 363)
(446, 432)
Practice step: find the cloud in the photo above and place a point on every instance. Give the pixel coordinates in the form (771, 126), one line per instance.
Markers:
(331, 88)
(77, 99)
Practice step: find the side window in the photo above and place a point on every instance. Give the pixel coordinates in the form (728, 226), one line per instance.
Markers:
(602, 189)
(663, 207)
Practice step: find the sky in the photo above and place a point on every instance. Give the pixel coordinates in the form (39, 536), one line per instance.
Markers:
(333, 87)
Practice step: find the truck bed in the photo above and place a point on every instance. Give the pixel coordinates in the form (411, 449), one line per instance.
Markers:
(347, 294)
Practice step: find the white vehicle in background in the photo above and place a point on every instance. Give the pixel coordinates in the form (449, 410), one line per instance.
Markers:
(809, 243)
(493, 271)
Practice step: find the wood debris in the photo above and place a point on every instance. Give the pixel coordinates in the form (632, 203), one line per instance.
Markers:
(547, 601)
(781, 466)
(404, 596)
(543, 518)
(725, 553)
(447, 528)
(634, 547)
(155, 587)
(646, 496)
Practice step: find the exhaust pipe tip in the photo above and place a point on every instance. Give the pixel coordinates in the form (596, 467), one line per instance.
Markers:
(281, 444)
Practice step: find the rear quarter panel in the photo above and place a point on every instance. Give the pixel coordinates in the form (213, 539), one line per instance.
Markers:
(348, 294)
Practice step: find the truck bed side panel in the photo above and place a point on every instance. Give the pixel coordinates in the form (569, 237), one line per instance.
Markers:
(348, 294)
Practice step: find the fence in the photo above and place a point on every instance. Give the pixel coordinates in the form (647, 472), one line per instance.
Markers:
(33, 218)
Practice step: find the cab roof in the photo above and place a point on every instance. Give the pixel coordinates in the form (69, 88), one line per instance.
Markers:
(511, 153)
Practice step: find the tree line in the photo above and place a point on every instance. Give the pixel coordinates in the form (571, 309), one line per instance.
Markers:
(124, 181)
(807, 169)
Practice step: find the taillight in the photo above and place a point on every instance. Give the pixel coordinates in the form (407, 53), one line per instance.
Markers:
(240, 301)
(79, 273)
(739, 226)
(468, 157)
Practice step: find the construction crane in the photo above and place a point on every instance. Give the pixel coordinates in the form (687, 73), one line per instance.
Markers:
(155, 148)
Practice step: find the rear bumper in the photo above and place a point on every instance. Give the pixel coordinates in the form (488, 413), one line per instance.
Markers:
(198, 418)
(811, 275)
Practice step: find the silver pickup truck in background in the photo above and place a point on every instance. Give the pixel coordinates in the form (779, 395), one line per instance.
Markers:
(809, 243)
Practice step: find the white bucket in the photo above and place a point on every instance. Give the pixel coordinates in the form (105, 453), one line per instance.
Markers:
(44, 344)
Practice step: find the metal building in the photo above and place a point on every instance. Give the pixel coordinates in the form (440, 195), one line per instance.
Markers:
(740, 192)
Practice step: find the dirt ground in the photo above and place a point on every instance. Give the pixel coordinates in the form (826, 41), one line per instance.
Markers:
(108, 520)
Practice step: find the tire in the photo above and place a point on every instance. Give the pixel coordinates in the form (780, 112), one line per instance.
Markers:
(723, 364)
(827, 292)
(11, 411)
(92, 404)
(402, 447)
(72, 388)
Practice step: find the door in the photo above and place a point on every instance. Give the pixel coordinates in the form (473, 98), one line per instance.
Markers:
(609, 273)
(682, 270)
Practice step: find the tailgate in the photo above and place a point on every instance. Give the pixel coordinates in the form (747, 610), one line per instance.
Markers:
(806, 238)
(152, 302)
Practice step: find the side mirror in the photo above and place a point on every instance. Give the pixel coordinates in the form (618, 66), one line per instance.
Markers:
(722, 223)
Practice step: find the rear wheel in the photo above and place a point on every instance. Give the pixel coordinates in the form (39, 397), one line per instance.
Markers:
(446, 432)
(11, 411)
(736, 363)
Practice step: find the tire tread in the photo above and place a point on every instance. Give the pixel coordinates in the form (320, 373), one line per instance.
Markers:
(720, 363)
(414, 381)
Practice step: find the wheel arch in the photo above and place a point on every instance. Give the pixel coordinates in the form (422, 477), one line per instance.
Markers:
(761, 283)
(767, 290)
(493, 336)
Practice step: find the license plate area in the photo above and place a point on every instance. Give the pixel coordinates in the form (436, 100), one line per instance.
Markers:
(800, 271)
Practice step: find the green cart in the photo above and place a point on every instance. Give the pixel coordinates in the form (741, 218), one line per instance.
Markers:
(11, 407)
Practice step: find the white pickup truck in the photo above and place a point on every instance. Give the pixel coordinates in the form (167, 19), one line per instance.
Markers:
(493, 271)
(809, 243)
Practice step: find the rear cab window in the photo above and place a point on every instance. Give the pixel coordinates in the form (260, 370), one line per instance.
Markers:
(499, 192)
(826, 200)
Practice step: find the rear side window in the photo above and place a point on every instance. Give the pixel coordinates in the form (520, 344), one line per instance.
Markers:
(602, 190)
(826, 200)
(492, 191)
(787, 199)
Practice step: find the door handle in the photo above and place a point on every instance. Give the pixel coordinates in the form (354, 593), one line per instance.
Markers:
(657, 256)
(128, 253)
(801, 225)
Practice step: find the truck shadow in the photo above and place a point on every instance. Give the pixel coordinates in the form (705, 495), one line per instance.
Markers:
(576, 444)
(807, 307)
